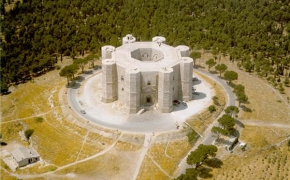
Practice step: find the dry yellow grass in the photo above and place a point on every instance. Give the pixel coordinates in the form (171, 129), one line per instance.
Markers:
(32, 98)
(112, 165)
(264, 102)
(36, 169)
(149, 171)
(260, 160)
(168, 154)
(271, 164)
(5, 176)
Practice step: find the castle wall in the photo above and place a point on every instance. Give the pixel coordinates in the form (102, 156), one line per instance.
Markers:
(186, 68)
(132, 90)
(109, 77)
(149, 86)
(121, 73)
(176, 82)
(165, 92)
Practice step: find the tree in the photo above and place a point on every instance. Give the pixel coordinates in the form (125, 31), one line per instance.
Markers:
(91, 59)
(28, 133)
(227, 122)
(248, 65)
(81, 63)
(230, 76)
(242, 98)
(221, 68)
(68, 72)
(219, 131)
(190, 174)
(281, 89)
(195, 55)
(239, 89)
(211, 108)
(210, 63)
(202, 153)
(232, 110)
(4, 87)
(286, 81)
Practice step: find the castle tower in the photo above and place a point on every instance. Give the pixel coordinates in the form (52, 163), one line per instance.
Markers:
(132, 90)
(128, 39)
(159, 39)
(109, 77)
(186, 68)
(183, 51)
(165, 90)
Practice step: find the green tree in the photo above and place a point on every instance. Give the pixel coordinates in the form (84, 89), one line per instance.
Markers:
(210, 63)
(221, 68)
(4, 87)
(219, 131)
(242, 98)
(202, 153)
(28, 133)
(81, 63)
(211, 108)
(195, 55)
(286, 81)
(239, 89)
(231, 76)
(227, 122)
(69, 72)
(248, 65)
(281, 89)
(232, 110)
(190, 174)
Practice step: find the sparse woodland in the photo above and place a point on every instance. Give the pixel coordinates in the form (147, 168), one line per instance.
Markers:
(35, 34)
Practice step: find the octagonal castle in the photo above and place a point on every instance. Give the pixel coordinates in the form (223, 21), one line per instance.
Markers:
(146, 75)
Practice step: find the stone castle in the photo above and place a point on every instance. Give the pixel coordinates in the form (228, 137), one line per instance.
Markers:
(146, 75)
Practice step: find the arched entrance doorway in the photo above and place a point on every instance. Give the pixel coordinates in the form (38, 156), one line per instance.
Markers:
(148, 99)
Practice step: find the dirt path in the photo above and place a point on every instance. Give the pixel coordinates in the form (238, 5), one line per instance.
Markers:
(147, 144)
(156, 164)
(37, 115)
(263, 123)
(22, 176)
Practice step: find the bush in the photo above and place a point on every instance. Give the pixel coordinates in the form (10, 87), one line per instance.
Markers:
(39, 119)
(215, 100)
(57, 67)
(211, 108)
(192, 136)
(28, 133)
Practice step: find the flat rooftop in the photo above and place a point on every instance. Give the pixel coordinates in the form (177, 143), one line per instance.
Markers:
(147, 56)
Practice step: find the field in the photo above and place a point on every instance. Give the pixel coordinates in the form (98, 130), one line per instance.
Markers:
(73, 149)
(266, 131)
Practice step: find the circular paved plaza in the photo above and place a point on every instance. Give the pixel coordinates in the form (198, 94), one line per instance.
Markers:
(86, 98)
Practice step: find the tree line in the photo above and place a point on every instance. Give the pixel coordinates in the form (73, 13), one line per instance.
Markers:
(38, 33)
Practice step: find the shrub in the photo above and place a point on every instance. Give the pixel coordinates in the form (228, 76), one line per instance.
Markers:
(28, 133)
(211, 108)
(57, 67)
(39, 119)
